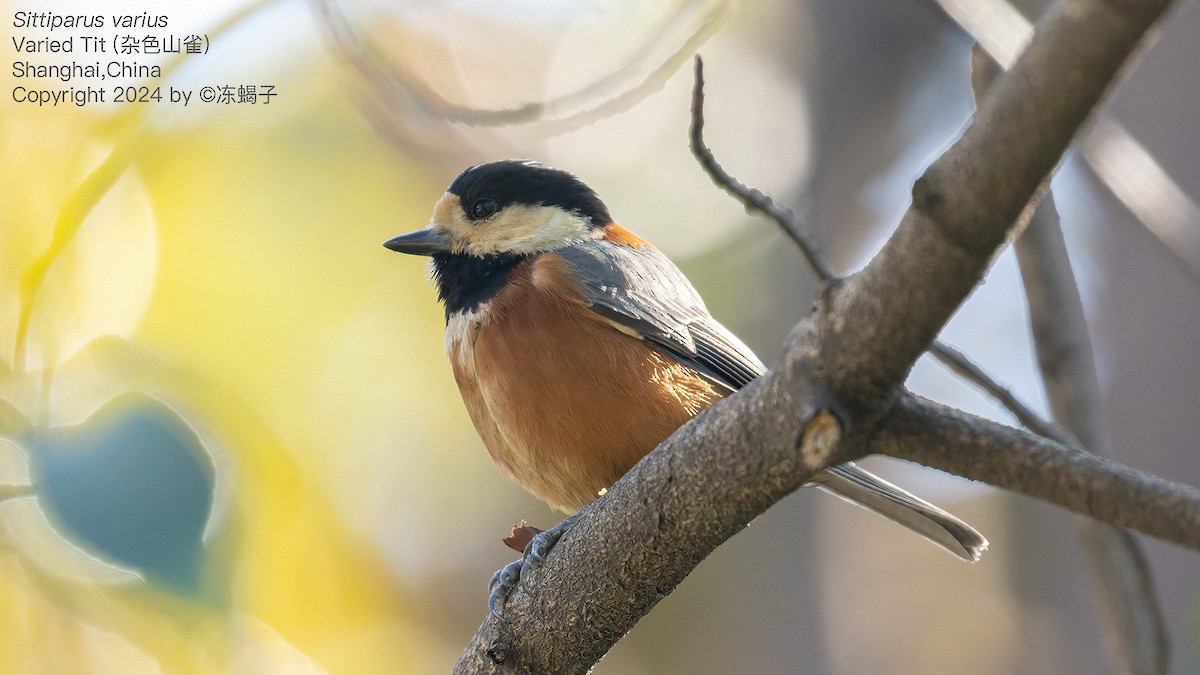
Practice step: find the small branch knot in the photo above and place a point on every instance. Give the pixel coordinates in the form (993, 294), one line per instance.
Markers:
(817, 440)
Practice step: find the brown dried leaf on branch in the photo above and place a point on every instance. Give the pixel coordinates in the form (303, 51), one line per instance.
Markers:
(522, 534)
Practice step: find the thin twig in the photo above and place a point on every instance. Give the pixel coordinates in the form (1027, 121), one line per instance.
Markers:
(964, 367)
(751, 198)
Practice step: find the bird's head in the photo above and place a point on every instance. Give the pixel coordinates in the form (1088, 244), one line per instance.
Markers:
(509, 207)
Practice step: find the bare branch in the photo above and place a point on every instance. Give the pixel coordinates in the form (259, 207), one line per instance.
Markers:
(751, 198)
(631, 547)
(976, 448)
(1134, 627)
(1120, 162)
(963, 206)
(1133, 624)
(1060, 335)
(754, 199)
(969, 370)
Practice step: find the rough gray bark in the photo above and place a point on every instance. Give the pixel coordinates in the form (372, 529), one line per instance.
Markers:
(1035, 466)
(838, 394)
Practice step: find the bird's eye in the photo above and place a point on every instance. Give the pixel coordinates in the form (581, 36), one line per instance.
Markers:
(484, 208)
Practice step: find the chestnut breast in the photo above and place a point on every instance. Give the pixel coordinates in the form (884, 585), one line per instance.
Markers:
(564, 401)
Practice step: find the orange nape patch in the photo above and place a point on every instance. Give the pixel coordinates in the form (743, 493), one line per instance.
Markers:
(619, 235)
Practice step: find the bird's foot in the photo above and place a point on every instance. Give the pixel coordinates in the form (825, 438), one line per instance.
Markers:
(506, 578)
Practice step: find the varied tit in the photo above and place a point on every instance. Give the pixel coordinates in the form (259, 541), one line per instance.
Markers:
(578, 347)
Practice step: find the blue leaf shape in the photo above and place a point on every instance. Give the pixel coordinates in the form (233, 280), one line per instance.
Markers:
(132, 484)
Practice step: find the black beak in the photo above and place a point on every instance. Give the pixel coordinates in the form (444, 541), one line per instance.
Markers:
(422, 242)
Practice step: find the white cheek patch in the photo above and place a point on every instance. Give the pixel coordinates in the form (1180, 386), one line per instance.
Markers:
(515, 229)
(555, 228)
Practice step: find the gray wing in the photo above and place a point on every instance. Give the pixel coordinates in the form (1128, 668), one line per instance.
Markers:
(641, 290)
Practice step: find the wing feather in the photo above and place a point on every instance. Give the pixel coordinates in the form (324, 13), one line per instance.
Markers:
(641, 289)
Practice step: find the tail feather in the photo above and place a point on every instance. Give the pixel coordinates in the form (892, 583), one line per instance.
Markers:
(872, 492)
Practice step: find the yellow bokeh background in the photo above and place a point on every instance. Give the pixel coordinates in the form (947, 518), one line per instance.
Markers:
(219, 264)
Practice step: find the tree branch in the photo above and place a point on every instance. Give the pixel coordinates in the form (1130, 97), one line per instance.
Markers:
(976, 448)
(1132, 621)
(751, 198)
(1134, 627)
(846, 362)
(754, 200)
(1117, 159)
(966, 202)
(632, 546)
(969, 370)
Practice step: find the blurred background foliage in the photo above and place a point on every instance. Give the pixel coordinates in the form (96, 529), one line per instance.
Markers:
(230, 441)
